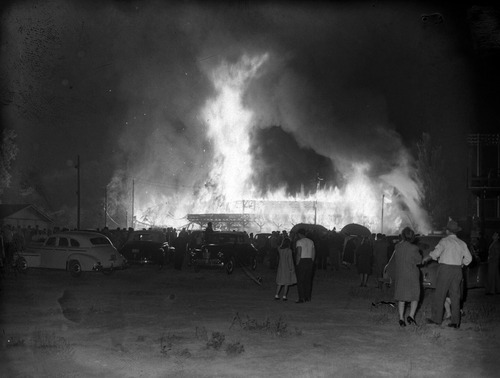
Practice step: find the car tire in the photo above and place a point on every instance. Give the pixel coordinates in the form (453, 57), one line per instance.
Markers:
(21, 265)
(254, 263)
(230, 266)
(75, 269)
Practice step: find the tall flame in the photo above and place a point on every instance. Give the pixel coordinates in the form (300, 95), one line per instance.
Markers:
(391, 200)
(229, 123)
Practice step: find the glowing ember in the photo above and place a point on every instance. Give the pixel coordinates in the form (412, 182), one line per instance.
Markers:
(392, 200)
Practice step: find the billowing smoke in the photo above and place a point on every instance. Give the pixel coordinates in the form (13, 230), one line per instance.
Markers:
(334, 94)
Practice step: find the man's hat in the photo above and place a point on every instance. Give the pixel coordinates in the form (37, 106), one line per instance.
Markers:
(453, 226)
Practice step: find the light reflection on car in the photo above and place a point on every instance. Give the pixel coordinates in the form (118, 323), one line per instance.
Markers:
(224, 250)
(74, 251)
(147, 247)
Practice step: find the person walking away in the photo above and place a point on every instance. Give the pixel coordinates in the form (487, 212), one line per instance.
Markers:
(404, 261)
(334, 249)
(348, 256)
(322, 251)
(285, 276)
(493, 286)
(380, 257)
(180, 249)
(452, 254)
(305, 252)
(364, 259)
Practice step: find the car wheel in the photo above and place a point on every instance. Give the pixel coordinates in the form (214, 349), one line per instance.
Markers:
(75, 268)
(254, 263)
(230, 266)
(21, 265)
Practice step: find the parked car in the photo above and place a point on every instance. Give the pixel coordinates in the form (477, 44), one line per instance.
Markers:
(474, 273)
(147, 247)
(74, 251)
(225, 250)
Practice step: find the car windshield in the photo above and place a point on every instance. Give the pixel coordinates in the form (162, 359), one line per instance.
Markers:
(99, 240)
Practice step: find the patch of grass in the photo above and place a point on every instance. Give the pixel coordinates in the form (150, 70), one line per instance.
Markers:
(364, 292)
(234, 349)
(478, 313)
(216, 340)
(273, 327)
(436, 337)
(184, 353)
(15, 342)
(166, 343)
(201, 333)
(45, 340)
(382, 318)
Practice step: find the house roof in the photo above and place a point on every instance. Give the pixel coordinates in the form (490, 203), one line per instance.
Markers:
(6, 210)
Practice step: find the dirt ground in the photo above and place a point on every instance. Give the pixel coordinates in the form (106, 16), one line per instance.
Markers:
(146, 322)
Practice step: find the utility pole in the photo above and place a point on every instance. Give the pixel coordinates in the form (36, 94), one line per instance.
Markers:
(77, 166)
(382, 216)
(319, 179)
(133, 188)
(105, 206)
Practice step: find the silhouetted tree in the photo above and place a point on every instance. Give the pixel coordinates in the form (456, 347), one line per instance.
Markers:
(7, 155)
(431, 170)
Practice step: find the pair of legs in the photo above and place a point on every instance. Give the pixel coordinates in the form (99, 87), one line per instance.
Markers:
(401, 309)
(448, 284)
(304, 271)
(364, 279)
(278, 289)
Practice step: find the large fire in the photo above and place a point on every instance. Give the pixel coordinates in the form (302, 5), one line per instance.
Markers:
(383, 204)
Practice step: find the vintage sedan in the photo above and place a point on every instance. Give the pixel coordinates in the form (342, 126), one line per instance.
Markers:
(147, 247)
(74, 251)
(225, 250)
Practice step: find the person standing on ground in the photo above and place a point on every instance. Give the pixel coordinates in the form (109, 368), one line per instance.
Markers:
(305, 252)
(334, 249)
(380, 257)
(452, 254)
(364, 259)
(405, 259)
(286, 269)
(493, 286)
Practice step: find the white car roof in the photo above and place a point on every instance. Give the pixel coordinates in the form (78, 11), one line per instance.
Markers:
(81, 236)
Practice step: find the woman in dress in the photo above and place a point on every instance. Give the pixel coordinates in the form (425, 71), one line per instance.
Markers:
(286, 269)
(407, 275)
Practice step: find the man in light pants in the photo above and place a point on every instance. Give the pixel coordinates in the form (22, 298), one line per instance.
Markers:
(452, 254)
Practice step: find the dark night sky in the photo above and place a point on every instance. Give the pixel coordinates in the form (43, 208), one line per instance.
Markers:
(122, 83)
